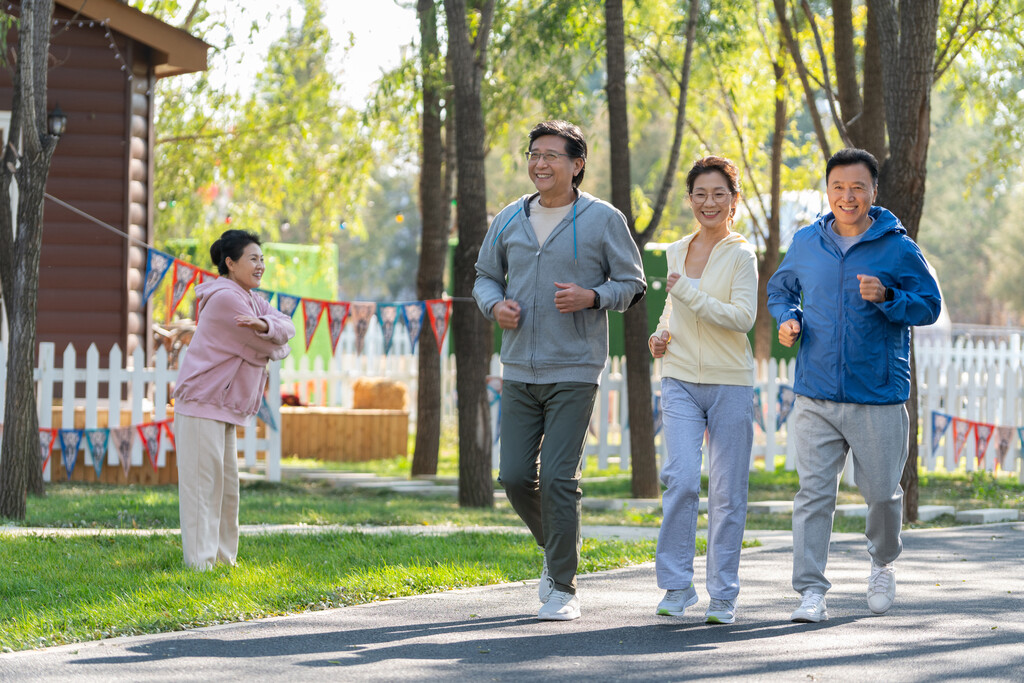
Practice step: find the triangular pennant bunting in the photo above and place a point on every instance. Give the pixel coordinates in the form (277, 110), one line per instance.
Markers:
(387, 316)
(169, 431)
(124, 437)
(412, 314)
(439, 311)
(266, 414)
(312, 310)
(1004, 435)
(287, 304)
(940, 423)
(1020, 435)
(982, 435)
(70, 440)
(150, 435)
(337, 314)
(46, 438)
(264, 294)
(183, 277)
(157, 265)
(362, 314)
(758, 409)
(98, 441)
(961, 430)
(785, 401)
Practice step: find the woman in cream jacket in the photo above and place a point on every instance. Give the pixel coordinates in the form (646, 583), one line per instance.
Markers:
(707, 386)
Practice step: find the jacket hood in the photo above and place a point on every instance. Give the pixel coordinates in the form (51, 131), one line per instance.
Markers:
(884, 221)
(211, 287)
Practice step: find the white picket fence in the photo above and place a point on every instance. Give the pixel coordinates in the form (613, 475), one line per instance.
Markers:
(982, 382)
(130, 387)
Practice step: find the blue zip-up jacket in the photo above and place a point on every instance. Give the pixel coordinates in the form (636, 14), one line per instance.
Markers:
(852, 350)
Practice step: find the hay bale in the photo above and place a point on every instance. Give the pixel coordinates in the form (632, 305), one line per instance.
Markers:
(379, 393)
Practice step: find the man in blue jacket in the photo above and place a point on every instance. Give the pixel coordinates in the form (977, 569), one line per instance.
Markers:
(851, 286)
(551, 267)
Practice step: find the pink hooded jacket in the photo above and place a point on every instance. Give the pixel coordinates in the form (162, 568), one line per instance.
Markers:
(225, 370)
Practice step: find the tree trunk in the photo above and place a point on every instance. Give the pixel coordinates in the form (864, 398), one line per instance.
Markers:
(873, 129)
(801, 69)
(433, 241)
(472, 333)
(768, 263)
(644, 463)
(907, 38)
(20, 249)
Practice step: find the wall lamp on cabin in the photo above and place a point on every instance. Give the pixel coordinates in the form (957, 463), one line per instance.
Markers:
(57, 121)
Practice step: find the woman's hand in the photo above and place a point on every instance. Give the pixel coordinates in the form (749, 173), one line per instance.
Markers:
(673, 278)
(257, 324)
(659, 345)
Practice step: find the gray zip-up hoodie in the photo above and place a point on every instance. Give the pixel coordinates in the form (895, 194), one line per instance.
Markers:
(592, 247)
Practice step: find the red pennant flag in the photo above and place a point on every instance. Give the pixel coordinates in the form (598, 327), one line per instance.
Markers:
(982, 435)
(312, 310)
(150, 435)
(337, 314)
(362, 313)
(183, 277)
(961, 430)
(439, 310)
(46, 439)
(169, 431)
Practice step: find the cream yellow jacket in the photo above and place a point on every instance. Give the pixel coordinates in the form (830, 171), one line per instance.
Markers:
(709, 324)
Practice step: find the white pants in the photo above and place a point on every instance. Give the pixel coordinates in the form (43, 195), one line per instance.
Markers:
(207, 490)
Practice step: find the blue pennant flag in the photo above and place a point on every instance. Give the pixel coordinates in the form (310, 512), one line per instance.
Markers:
(157, 265)
(98, 441)
(266, 414)
(286, 303)
(70, 439)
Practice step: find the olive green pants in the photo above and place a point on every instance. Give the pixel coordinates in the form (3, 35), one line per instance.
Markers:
(543, 432)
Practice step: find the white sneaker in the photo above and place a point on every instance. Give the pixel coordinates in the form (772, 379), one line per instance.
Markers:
(812, 608)
(546, 585)
(676, 601)
(720, 611)
(881, 587)
(560, 607)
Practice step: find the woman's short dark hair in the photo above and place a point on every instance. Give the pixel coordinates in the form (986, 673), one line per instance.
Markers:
(850, 156)
(714, 163)
(232, 244)
(575, 142)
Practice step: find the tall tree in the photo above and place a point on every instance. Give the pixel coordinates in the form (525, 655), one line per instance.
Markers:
(472, 333)
(434, 205)
(25, 162)
(638, 362)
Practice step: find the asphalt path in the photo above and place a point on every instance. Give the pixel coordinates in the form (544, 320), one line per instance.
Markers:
(959, 615)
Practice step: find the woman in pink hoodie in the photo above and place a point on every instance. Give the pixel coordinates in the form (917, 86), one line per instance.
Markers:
(220, 386)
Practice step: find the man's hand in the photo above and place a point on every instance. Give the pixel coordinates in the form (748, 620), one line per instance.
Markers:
(673, 278)
(659, 344)
(871, 288)
(507, 314)
(789, 331)
(570, 297)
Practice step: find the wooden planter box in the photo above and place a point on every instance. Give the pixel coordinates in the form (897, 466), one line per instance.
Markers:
(342, 434)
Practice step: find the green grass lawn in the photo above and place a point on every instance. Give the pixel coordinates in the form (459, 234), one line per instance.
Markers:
(64, 590)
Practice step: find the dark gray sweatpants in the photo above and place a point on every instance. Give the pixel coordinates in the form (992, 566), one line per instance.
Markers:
(543, 431)
(825, 433)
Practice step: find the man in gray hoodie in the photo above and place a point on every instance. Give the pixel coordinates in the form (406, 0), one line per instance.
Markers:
(551, 265)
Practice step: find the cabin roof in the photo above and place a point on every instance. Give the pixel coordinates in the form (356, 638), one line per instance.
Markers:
(174, 51)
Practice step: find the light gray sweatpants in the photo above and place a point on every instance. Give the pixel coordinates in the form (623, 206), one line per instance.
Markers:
(726, 413)
(825, 433)
(207, 490)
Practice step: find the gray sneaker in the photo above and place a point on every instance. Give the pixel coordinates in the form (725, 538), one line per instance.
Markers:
(676, 601)
(546, 585)
(812, 608)
(721, 611)
(560, 607)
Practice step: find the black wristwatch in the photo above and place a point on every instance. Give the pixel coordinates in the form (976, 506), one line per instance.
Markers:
(597, 299)
(890, 294)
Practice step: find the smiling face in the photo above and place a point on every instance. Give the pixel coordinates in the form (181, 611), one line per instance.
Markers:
(553, 179)
(712, 214)
(247, 271)
(851, 192)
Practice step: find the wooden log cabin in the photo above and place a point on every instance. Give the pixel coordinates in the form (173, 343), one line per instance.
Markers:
(106, 58)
